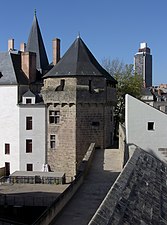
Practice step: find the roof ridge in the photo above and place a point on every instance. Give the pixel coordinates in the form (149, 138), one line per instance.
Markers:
(79, 61)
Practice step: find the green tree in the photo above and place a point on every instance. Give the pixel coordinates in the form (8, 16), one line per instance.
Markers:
(128, 83)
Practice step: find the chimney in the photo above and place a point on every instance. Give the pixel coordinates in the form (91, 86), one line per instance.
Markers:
(28, 65)
(22, 47)
(10, 44)
(56, 50)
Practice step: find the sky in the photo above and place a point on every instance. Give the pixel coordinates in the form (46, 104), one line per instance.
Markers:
(111, 29)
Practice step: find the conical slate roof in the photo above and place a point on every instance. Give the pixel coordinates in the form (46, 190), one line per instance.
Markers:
(35, 44)
(78, 61)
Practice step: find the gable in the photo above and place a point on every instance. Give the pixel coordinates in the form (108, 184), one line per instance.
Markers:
(145, 125)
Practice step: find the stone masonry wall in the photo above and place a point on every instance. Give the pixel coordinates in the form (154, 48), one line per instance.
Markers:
(85, 118)
(108, 125)
(53, 93)
(91, 89)
(94, 114)
(62, 99)
(63, 157)
(89, 127)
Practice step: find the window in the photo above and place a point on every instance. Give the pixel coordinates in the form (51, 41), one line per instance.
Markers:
(52, 141)
(28, 146)
(28, 100)
(7, 168)
(90, 86)
(54, 116)
(29, 123)
(61, 86)
(95, 124)
(150, 126)
(29, 167)
(7, 149)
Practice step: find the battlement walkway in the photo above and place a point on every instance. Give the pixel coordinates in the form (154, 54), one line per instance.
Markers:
(105, 168)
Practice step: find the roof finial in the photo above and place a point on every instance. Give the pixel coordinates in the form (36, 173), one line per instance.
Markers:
(35, 12)
(78, 35)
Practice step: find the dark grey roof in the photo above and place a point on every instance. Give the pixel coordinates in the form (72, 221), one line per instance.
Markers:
(78, 61)
(139, 194)
(35, 44)
(10, 69)
(28, 94)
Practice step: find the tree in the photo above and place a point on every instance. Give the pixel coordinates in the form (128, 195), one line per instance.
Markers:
(128, 83)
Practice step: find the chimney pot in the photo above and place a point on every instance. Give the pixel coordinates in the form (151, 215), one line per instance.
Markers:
(10, 44)
(56, 50)
(22, 47)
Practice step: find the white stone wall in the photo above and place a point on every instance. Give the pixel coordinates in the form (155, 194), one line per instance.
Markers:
(9, 126)
(137, 116)
(37, 134)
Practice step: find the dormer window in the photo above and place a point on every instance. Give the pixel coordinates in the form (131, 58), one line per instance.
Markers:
(28, 100)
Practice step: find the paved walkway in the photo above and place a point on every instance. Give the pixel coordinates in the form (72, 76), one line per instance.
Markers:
(105, 169)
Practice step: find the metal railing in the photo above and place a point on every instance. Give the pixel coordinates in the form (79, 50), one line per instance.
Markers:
(25, 200)
(4, 179)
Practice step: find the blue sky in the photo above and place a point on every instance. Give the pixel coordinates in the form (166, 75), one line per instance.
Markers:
(110, 28)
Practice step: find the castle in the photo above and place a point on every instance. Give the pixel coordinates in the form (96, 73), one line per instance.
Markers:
(51, 113)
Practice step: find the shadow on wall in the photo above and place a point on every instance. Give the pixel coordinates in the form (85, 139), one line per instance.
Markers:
(157, 155)
(131, 147)
(128, 151)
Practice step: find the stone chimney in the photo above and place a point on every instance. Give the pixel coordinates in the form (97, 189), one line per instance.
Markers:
(56, 50)
(28, 65)
(10, 44)
(22, 47)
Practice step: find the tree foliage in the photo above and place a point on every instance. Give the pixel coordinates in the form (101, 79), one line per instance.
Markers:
(128, 83)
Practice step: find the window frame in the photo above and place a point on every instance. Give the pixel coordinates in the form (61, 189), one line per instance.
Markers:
(28, 100)
(52, 141)
(28, 145)
(7, 149)
(150, 126)
(28, 122)
(54, 116)
(29, 167)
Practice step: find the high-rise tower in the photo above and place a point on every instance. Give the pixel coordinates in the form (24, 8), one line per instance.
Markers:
(143, 64)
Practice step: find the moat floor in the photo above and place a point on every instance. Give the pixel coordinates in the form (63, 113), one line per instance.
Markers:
(105, 169)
